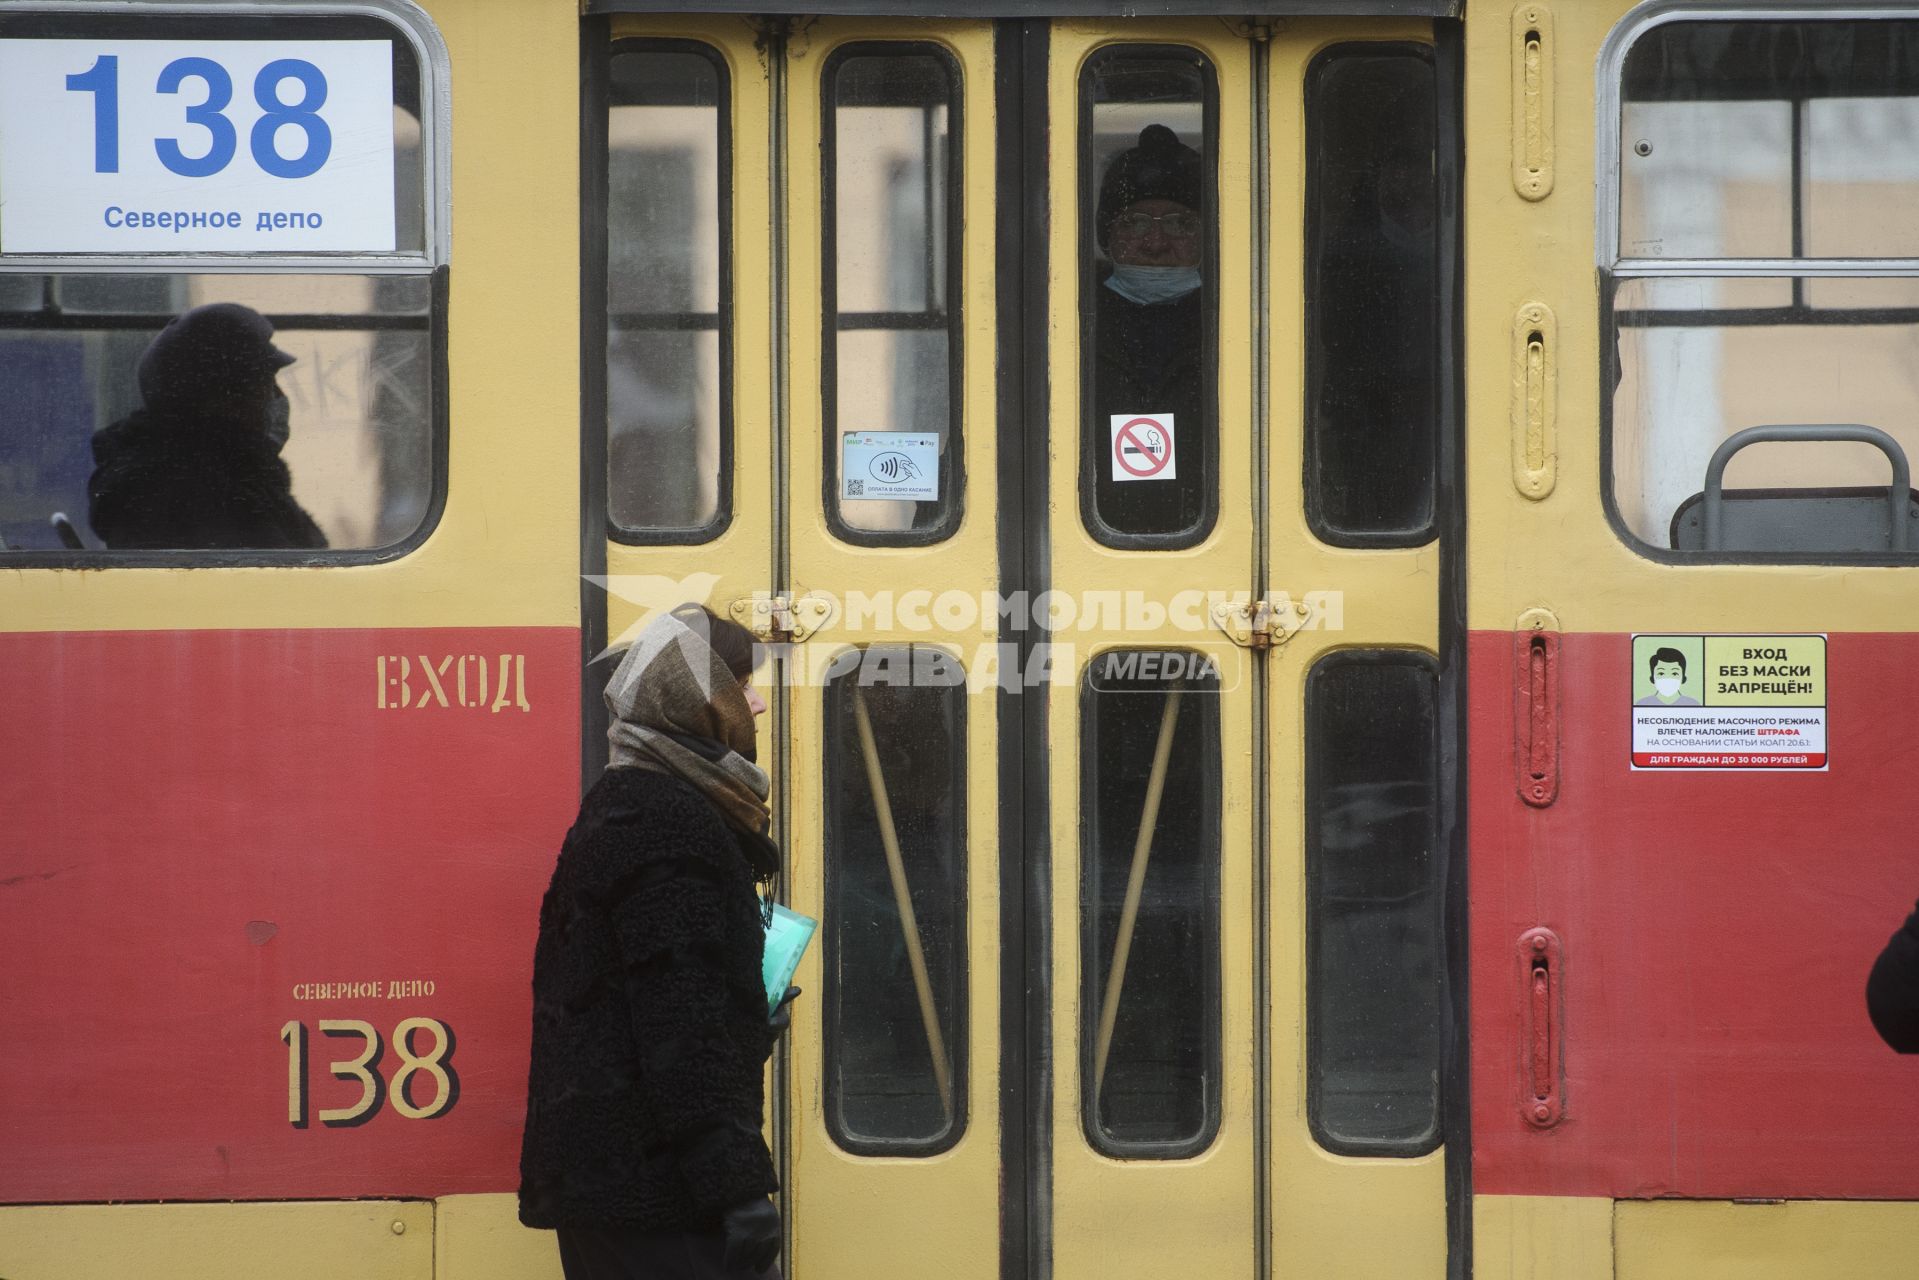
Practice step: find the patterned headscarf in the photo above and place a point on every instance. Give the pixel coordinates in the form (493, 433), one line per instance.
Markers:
(678, 709)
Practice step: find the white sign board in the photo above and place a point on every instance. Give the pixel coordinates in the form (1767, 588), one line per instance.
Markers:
(201, 146)
(1143, 446)
(891, 464)
(1729, 702)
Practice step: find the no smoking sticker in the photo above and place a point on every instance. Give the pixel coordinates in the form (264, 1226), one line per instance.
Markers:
(1143, 446)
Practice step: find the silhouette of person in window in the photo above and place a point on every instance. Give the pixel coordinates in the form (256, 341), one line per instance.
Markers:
(1149, 326)
(198, 466)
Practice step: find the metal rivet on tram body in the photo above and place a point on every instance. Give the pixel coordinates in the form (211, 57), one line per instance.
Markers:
(1642, 147)
(1542, 1112)
(399, 1228)
(1539, 944)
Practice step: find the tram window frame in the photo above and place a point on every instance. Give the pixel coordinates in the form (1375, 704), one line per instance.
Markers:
(837, 769)
(1318, 158)
(422, 70)
(951, 503)
(598, 328)
(1092, 434)
(1318, 727)
(1094, 961)
(1619, 271)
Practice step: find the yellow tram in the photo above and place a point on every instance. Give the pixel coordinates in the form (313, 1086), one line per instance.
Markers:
(1312, 755)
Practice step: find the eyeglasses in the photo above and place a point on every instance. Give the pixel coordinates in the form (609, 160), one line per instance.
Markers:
(1183, 226)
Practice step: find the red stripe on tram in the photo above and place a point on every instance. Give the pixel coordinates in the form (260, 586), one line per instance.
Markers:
(1717, 929)
(217, 837)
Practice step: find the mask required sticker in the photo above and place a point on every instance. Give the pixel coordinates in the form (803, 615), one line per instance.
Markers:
(1728, 702)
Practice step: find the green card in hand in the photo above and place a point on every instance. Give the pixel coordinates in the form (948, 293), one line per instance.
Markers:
(786, 939)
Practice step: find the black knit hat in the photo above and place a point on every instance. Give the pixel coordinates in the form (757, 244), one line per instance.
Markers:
(208, 351)
(1161, 167)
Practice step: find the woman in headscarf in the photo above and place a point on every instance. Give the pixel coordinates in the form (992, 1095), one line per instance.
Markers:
(650, 1027)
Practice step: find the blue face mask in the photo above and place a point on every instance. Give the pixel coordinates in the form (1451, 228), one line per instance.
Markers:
(1149, 285)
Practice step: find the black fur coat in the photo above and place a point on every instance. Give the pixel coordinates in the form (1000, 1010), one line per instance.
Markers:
(650, 1033)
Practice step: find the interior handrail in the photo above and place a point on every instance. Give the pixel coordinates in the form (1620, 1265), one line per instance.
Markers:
(1899, 493)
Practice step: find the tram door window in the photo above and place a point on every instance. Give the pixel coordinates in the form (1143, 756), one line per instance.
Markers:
(1148, 306)
(1149, 903)
(193, 456)
(894, 1004)
(1372, 296)
(1760, 277)
(1375, 966)
(892, 161)
(669, 336)
(1156, 1072)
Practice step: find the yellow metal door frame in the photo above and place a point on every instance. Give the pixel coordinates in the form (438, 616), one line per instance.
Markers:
(1390, 601)
(864, 1214)
(1196, 1215)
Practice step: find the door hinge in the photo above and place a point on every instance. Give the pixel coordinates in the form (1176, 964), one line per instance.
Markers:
(1260, 624)
(782, 619)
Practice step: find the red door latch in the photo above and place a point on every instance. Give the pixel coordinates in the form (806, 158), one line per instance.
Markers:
(1542, 1044)
(1536, 715)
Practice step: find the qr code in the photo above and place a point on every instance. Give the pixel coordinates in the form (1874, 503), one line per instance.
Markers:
(855, 488)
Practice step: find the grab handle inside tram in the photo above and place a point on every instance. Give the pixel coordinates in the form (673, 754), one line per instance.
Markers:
(1897, 495)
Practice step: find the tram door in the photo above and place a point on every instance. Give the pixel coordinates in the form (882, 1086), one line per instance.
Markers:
(1246, 959)
(1201, 639)
(799, 396)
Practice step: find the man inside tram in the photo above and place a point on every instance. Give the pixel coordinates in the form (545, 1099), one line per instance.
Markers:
(1149, 324)
(198, 466)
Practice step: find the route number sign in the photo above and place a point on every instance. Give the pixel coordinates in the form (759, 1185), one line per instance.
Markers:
(190, 147)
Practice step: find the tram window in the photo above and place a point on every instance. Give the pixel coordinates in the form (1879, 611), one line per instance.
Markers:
(1770, 140)
(1762, 145)
(1375, 966)
(1372, 296)
(291, 401)
(360, 407)
(891, 346)
(1148, 307)
(895, 918)
(1692, 373)
(1149, 903)
(669, 313)
(20, 293)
